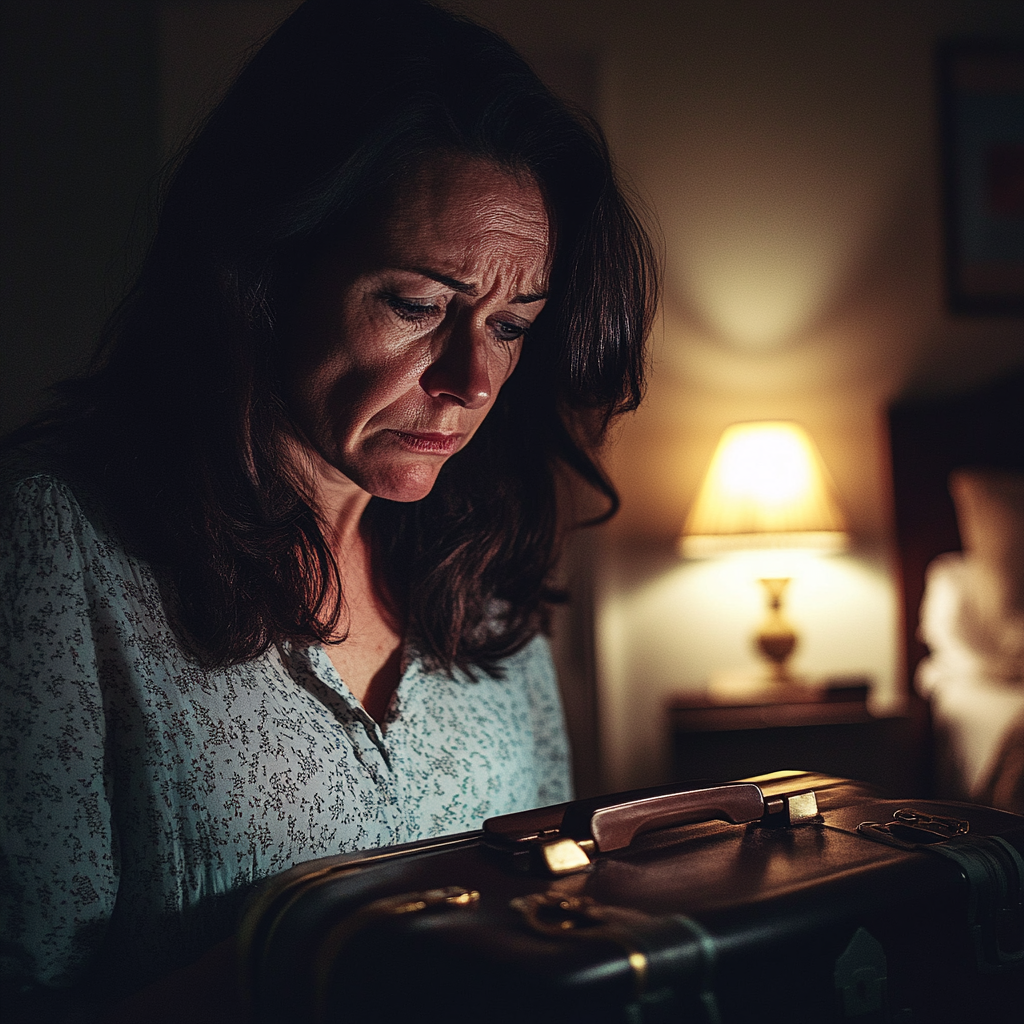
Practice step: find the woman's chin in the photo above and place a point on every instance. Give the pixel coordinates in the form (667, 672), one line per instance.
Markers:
(410, 483)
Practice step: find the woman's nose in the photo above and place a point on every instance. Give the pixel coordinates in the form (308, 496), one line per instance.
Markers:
(460, 371)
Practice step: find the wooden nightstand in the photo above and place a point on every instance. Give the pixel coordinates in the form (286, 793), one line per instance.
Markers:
(826, 729)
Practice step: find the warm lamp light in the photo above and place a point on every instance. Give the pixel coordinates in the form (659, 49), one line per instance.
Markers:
(766, 487)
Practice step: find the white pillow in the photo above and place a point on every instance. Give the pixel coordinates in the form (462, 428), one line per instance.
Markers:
(965, 637)
(970, 678)
(990, 514)
(972, 615)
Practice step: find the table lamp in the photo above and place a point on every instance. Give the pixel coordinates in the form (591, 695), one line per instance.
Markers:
(766, 487)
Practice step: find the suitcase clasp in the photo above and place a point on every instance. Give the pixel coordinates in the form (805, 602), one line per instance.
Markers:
(556, 915)
(560, 857)
(790, 809)
(691, 967)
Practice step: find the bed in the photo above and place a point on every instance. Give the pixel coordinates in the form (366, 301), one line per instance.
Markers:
(958, 484)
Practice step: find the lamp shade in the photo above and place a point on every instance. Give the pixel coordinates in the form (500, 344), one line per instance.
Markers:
(766, 486)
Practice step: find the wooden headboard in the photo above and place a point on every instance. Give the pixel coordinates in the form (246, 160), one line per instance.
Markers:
(929, 439)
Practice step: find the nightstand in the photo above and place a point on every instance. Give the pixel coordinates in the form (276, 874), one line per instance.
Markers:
(826, 728)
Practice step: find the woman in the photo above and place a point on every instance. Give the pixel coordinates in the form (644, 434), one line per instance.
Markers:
(275, 574)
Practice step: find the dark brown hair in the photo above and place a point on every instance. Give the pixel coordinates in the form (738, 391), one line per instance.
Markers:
(180, 427)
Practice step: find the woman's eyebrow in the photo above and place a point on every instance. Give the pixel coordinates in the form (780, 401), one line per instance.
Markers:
(448, 282)
(470, 289)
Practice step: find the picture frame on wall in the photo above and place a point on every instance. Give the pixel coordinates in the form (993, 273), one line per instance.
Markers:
(981, 91)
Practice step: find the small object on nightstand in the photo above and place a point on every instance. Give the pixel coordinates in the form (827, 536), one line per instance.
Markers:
(845, 688)
(753, 700)
(760, 687)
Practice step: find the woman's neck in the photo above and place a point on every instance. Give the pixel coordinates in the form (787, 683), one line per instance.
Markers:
(339, 501)
(370, 655)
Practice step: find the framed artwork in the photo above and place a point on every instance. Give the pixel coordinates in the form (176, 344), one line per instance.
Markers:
(981, 86)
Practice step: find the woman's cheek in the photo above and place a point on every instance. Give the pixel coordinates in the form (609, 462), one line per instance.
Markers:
(512, 360)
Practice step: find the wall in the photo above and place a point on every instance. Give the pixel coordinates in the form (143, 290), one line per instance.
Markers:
(788, 150)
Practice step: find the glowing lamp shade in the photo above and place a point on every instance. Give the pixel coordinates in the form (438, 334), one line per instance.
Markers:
(766, 487)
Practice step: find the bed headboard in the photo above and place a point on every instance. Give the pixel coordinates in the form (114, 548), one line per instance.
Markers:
(929, 439)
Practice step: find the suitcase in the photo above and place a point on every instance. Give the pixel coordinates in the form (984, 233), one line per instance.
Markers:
(787, 897)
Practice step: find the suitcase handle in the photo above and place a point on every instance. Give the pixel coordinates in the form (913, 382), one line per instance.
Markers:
(612, 822)
(614, 826)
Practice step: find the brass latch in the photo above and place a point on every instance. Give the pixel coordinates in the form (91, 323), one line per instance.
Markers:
(792, 809)
(557, 857)
(580, 917)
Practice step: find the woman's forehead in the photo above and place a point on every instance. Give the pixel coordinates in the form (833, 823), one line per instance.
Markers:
(465, 207)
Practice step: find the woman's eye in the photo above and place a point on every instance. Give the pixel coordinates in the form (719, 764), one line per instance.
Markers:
(411, 310)
(509, 331)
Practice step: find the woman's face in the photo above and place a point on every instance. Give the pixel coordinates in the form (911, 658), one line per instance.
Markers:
(402, 341)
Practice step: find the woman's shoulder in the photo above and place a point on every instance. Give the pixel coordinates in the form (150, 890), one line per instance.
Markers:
(43, 509)
(24, 469)
(33, 492)
(532, 661)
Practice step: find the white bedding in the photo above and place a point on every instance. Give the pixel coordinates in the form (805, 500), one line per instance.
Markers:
(973, 676)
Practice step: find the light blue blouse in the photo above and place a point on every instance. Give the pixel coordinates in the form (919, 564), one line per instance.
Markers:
(143, 796)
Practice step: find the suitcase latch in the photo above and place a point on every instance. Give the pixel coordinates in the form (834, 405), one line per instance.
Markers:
(580, 917)
(548, 854)
(690, 967)
(791, 809)
(559, 857)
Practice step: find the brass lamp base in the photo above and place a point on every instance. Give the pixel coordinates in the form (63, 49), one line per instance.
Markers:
(776, 639)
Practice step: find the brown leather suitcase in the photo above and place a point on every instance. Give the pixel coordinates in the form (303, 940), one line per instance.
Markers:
(790, 897)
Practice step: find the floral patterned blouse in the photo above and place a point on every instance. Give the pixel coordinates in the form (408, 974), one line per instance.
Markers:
(143, 796)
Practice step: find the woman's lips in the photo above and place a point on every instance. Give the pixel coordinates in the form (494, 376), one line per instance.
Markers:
(428, 443)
